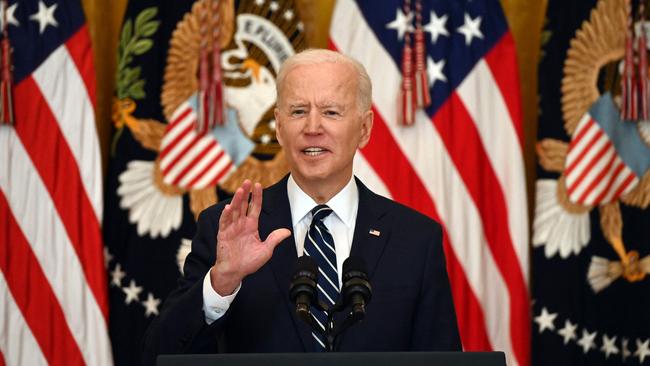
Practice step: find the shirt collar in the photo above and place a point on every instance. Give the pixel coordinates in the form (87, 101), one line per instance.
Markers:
(344, 204)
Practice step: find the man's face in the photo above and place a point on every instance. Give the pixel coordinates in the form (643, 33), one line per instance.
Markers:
(319, 123)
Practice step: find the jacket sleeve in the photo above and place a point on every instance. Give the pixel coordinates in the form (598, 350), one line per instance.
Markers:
(434, 326)
(181, 326)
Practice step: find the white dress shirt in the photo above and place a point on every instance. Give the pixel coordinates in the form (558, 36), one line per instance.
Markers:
(340, 222)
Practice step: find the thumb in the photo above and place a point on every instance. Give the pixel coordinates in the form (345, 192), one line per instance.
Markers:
(276, 237)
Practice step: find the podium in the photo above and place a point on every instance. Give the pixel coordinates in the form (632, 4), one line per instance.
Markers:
(339, 359)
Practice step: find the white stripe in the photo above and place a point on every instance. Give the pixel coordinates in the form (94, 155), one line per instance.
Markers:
(216, 169)
(364, 171)
(336, 288)
(423, 147)
(602, 184)
(485, 104)
(39, 221)
(318, 340)
(582, 145)
(594, 149)
(321, 252)
(17, 342)
(326, 295)
(187, 159)
(166, 160)
(325, 241)
(617, 181)
(625, 174)
(179, 127)
(65, 93)
(200, 166)
(582, 124)
(592, 173)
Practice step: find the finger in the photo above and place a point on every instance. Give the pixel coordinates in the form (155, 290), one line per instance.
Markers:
(276, 237)
(225, 219)
(235, 204)
(246, 187)
(256, 202)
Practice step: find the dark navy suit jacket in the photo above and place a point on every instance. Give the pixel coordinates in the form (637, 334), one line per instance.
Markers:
(411, 306)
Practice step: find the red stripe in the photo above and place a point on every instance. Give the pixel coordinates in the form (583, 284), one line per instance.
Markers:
(599, 178)
(181, 155)
(394, 169)
(502, 61)
(167, 149)
(39, 132)
(206, 169)
(585, 128)
(178, 119)
(223, 172)
(82, 55)
(2, 359)
(461, 138)
(33, 295)
(625, 184)
(584, 152)
(195, 161)
(612, 179)
(594, 160)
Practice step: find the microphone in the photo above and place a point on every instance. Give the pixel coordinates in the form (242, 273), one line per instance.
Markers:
(302, 289)
(356, 290)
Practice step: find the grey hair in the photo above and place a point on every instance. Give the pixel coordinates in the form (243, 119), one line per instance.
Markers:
(314, 56)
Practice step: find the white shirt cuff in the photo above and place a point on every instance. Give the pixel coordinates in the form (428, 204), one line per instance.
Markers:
(215, 305)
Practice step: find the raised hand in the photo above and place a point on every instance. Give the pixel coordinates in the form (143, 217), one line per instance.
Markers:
(240, 251)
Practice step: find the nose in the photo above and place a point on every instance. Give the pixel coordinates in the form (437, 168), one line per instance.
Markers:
(313, 123)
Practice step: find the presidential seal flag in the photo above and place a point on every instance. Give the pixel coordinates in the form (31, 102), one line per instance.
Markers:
(53, 297)
(447, 141)
(591, 252)
(193, 117)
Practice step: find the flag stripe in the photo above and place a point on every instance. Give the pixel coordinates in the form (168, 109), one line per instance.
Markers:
(502, 61)
(222, 174)
(81, 52)
(462, 141)
(17, 343)
(608, 192)
(502, 146)
(72, 111)
(180, 124)
(171, 152)
(33, 294)
(192, 153)
(62, 181)
(209, 169)
(604, 168)
(576, 156)
(38, 219)
(580, 178)
(180, 151)
(199, 162)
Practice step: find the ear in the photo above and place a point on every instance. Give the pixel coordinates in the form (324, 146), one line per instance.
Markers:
(278, 126)
(366, 128)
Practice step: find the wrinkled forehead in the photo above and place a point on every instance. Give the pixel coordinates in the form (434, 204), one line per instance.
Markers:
(327, 81)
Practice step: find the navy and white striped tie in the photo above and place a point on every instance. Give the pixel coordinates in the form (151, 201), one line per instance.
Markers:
(319, 245)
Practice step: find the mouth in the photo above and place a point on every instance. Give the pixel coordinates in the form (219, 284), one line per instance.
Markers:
(314, 151)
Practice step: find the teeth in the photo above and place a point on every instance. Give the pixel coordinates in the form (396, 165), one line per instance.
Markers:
(313, 151)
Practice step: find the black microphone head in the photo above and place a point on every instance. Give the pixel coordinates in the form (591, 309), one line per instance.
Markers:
(306, 266)
(354, 267)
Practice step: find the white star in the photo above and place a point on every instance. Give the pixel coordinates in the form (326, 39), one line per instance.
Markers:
(274, 6)
(568, 332)
(401, 24)
(471, 29)
(642, 349)
(545, 320)
(11, 17)
(587, 341)
(117, 275)
(434, 71)
(288, 15)
(259, 2)
(132, 292)
(151, 305)
(45, 16)
(625, 352)
(609, 346)
(108, 257)
(436, 26)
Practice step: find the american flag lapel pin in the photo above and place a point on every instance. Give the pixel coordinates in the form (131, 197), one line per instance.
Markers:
(374, 232)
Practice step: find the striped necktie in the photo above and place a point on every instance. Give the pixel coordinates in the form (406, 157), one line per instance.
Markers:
(319, 245)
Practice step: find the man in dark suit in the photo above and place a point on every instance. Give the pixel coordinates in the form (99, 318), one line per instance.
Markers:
(234, 296)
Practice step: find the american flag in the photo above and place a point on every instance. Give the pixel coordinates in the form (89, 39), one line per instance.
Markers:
(53, 295)
(461, 162)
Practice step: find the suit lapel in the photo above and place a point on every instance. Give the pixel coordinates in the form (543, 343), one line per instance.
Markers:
(370, 234)
(276, 214)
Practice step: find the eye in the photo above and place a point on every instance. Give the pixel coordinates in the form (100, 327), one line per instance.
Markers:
(298, 112)
(332, 113)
